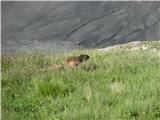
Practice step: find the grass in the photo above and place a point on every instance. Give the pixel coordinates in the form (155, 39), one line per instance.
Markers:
(113, 85)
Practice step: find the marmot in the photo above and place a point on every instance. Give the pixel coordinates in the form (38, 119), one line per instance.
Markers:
(72, 62)
(76, 61)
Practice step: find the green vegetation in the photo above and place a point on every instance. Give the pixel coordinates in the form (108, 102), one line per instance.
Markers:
(113, 85)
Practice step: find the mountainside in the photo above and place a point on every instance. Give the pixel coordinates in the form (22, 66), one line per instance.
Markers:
(60, 26)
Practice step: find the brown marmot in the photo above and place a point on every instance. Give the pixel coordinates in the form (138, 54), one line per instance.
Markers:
(71, 62)
(76, 61)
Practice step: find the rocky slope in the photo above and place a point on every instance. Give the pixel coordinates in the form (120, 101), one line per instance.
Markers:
(60, 26)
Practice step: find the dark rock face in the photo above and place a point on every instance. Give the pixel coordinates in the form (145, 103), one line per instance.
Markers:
(60, 26)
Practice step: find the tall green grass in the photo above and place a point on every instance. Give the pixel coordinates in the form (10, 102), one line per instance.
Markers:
(114, 85)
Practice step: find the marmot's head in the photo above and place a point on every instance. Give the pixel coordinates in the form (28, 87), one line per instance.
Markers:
(83, 58)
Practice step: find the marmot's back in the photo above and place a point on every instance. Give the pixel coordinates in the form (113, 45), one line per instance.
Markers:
(73, 58)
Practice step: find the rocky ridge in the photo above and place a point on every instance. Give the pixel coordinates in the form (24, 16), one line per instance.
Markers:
(61, 26)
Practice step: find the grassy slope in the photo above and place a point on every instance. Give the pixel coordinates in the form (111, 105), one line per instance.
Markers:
(124, 85)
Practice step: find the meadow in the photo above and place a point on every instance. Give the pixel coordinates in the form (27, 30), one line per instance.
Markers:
(112, 85)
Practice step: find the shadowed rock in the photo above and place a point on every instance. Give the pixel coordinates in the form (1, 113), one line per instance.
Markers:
(61, 26)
